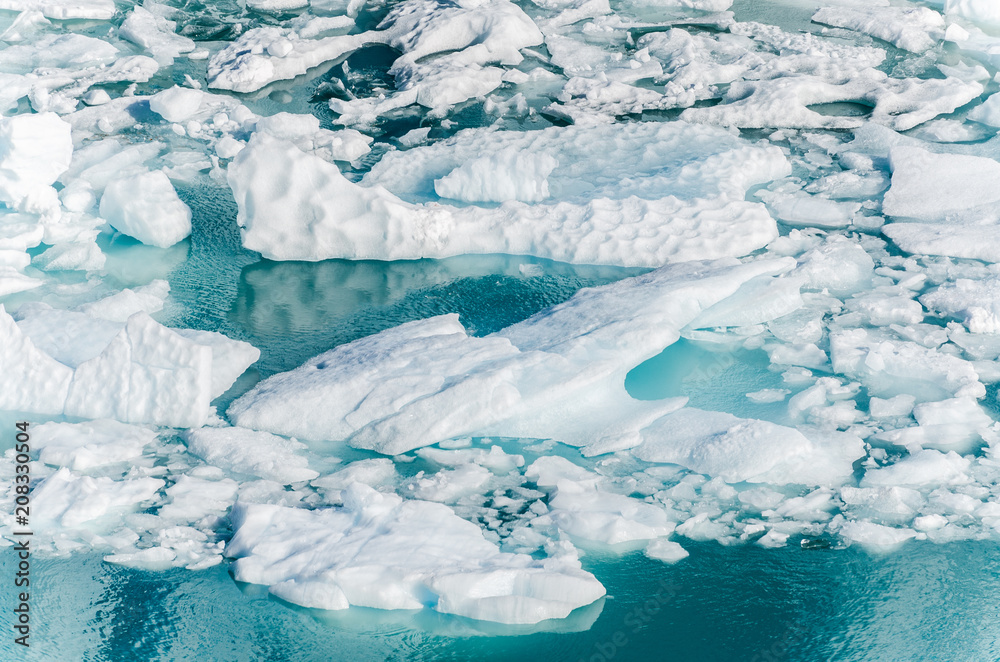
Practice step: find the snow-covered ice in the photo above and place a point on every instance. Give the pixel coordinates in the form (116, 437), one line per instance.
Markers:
(793, 335)
(385, 552)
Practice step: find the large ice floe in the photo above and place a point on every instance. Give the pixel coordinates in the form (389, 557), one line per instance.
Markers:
(792, 232)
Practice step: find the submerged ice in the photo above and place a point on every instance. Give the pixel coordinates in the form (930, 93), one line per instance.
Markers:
(808, 354)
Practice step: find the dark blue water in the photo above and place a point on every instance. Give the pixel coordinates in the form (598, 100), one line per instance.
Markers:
(925, 602)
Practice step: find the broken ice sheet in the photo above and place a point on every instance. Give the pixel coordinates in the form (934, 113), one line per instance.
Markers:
(296, 283)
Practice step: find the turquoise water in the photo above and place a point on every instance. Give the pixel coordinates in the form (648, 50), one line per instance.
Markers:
(925, 602)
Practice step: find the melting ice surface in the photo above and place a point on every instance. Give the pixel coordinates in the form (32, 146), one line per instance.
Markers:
(493, 328)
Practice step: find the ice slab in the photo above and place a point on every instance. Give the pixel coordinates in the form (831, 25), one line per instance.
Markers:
(931, 187)
(295, 206)
(581, 505)
(146, 207)
(383, 552)
(34, 381)
(746, 450)
(974, 242)
(980, 11)
(915, 29)
(889, 367)
(81, 447)
(646, 159)
(156, 34)
(101, 10)
(70, 500)
(34, 150)
(248, 452)
(427, 381)
(136, 371)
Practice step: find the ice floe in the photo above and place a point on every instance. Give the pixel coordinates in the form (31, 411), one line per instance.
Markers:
(426, 557)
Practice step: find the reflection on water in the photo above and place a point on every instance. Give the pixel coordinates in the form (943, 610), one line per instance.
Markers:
(924, 602)
(295, 310)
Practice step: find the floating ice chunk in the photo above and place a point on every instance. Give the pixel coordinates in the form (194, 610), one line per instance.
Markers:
(580, 506)
(783, 102)
(667, 551)
(769, 395)
(67, 336)
(11, 281)
(914, 29)
(746, 450)
(975, 302)
(122, 305)
(437, 346)
(929, 186)
(890, 367)
(414, 137)
(147, 208)
(176, 104)
(150, 558)
(987, 112)
(277, 5)
(230, 358)
(64, 51)
(34, 150)
(450, 485)
(26, 25)
(980, 11)
(294, 205)
(974, 242)
(605, 517)
(802, 354)
(839, 265)
(379, 473)
(448, 79)
(97, 164)
(924, 468)
(759, 300)
(900, 405)
(880, 309)
(953, 424)
(505, 175)
(304, 131)
(645, 159)
(875, 536)
(199, 501)
(420, 28)
(228, 147)
(558, 374)
(156, 34)
(496, 460)
(890, 505)
(264, 55)
(804, 210)
(84, 446)
(33, 381)
(100, 10)
(249, 452)
(383, 552)
(81, 256)
(68, 500)
(146, 374)
(697, 63)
